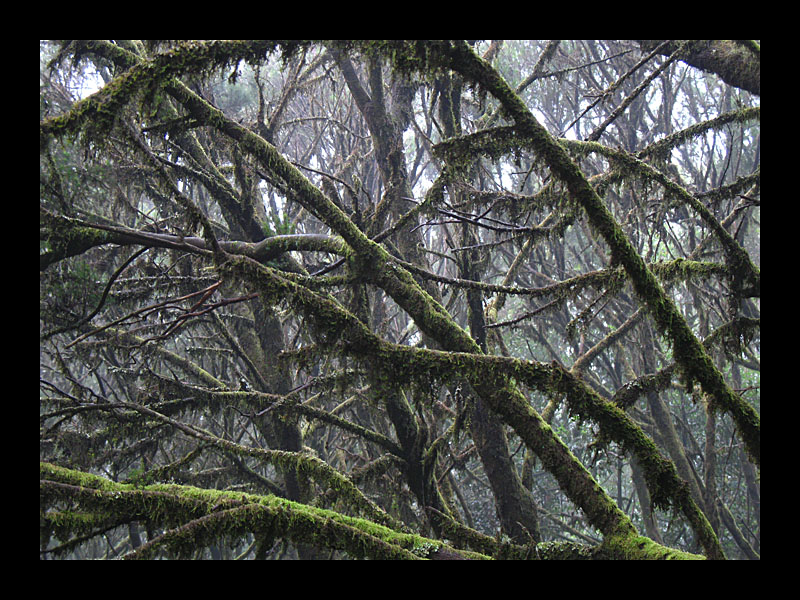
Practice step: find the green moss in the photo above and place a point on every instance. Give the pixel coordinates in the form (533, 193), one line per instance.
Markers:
(98, 113)
(64, 237)
(688, 350)
(199, 517)
(642, 548)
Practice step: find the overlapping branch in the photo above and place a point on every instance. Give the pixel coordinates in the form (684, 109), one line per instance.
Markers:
(196, 518)
(339, 331)
(695, 363)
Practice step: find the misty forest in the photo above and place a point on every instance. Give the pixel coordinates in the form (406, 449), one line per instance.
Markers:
(399, 299)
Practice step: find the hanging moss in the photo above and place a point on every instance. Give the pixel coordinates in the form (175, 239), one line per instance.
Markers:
(694, 361)
(99, 112)
(404, 364)
(338, 330)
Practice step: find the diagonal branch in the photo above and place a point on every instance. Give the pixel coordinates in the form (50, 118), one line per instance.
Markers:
(695, 362)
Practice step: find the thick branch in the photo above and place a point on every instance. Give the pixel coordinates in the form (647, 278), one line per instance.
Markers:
(735, 63)
(690, 354)
(199, 518)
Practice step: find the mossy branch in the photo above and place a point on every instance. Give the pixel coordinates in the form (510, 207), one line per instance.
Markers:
(695, 363)
(487, 373)
(196, 518)
(315, 468)
(371, 260)
(99, 112)
(739, 264)
(404, 363)
(270, 522)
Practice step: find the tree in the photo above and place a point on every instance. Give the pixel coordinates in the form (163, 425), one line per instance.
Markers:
(393, 299)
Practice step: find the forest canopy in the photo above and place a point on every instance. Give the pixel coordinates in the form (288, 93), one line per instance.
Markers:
(430, 299)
